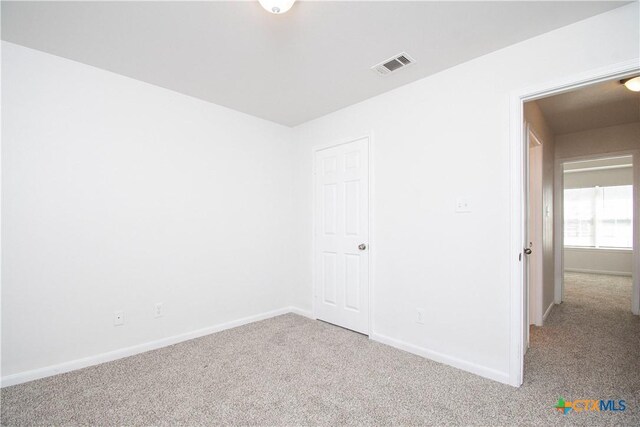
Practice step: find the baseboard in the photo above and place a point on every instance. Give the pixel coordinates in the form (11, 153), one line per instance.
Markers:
(73, 365)
(546, 313)
(474, 368)
(301, 312)
(612, 273)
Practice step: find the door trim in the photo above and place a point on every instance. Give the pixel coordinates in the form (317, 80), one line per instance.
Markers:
(371, 241)
(516, 173)
(558, 231)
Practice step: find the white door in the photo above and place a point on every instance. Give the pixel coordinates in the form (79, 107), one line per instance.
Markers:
(526, 251)
(341, 253)
(536, 244)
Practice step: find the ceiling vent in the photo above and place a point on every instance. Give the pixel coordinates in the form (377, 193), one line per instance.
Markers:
(393, 64)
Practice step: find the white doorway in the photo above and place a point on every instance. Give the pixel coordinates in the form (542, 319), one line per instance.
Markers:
(519, 204)
(341, 235)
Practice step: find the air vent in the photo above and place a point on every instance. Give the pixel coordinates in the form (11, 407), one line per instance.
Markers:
(393, 64)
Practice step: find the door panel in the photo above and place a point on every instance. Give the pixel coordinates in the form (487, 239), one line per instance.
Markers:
(329, 208)
(342, 225)
(329, 278)
(352, 199)
(352, 282)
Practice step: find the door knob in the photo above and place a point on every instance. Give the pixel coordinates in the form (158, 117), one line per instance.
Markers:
(362, 246)
(527, 251)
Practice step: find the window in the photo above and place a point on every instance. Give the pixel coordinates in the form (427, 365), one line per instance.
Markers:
(599, 217)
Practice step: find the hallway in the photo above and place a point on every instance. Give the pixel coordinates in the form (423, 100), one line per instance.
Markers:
(589, 347)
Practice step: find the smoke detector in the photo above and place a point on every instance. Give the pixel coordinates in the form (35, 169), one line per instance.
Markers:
(392, 64)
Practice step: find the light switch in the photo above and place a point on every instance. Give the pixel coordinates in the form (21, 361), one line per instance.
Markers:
(463, 205)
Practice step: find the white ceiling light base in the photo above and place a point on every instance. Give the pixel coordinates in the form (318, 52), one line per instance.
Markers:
(632, 84)
(277, 6)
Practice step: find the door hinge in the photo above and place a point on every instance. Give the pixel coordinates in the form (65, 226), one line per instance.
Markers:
(520, 257)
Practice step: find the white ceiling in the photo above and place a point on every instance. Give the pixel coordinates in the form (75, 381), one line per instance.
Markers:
(288, 68)
(596, 106)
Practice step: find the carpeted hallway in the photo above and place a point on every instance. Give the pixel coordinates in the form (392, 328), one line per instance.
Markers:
(291, 370)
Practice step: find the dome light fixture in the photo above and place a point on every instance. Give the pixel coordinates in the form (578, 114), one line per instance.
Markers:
(633, 83)
(277, 6)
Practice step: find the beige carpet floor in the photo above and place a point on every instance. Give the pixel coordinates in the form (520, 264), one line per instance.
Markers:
(290, 370)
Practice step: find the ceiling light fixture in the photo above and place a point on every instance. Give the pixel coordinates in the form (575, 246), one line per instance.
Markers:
(277, 6)
(632, 83)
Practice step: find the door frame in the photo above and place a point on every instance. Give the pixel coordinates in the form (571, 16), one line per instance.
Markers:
(558, 191)
(371, 243)
(517, 172)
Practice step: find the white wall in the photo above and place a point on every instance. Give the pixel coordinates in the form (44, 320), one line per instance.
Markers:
(602, 178)
(118, 194)
(434, 140)
(598, 141)
(599, 261)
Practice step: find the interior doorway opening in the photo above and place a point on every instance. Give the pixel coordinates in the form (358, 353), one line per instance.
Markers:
(581, 179)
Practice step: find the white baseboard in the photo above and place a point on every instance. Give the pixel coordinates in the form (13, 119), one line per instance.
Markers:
(474, 368)
(73, 365)
(301, 312)
(84, 362)
(612, 273)
(546, 313)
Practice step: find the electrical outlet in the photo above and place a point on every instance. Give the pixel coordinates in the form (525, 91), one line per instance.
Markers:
(420, 316)
(159, 312)
(118, 318)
